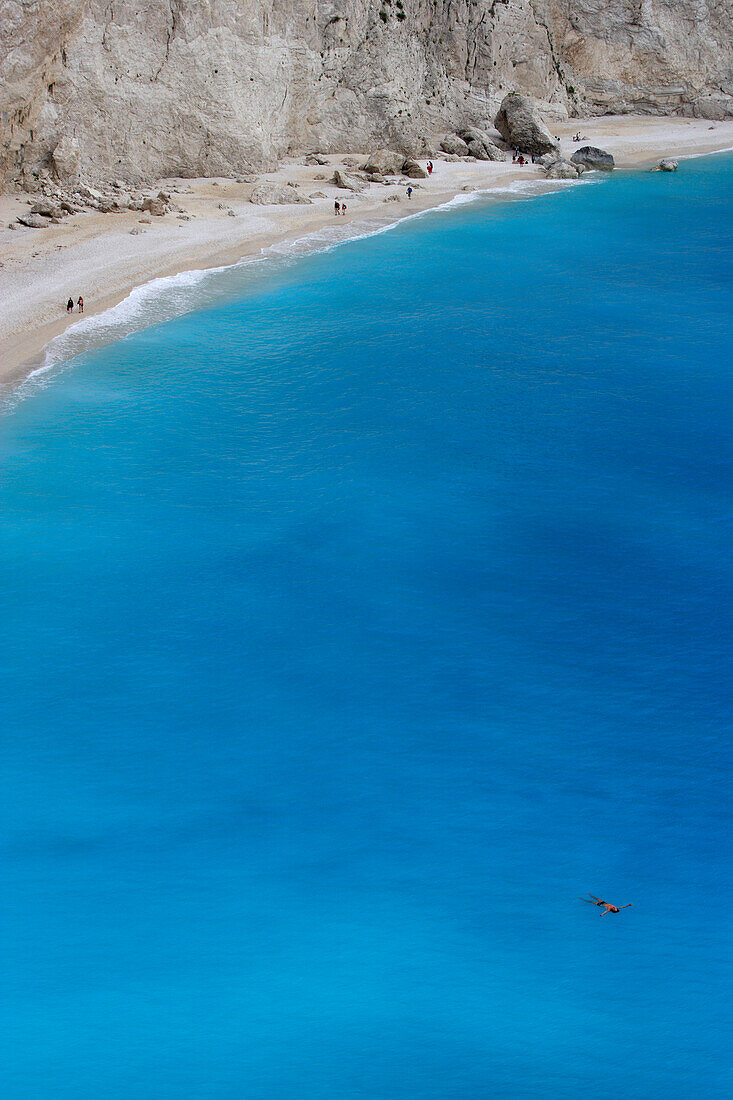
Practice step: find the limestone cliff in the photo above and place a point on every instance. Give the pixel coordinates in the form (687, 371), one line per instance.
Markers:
(142, 88)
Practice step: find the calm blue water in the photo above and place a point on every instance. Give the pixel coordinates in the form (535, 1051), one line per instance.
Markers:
(352, 629)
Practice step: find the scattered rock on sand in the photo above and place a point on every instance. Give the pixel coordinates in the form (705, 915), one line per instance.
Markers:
(275, 194)
(156, 207)
(521, 126)
(317, 195)
(562, 170)
(413, 170)
(348, 182)
(90, 193)
(33, 221)
(385, 162)
(47, 209)
(666, 164)
(316, 158)
(593, 159)
(455, 145)
(480, 144)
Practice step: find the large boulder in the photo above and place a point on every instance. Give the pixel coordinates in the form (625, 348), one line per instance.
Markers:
(562, 170)
(593, 159)
(414, 170)
(519, 124)
(33, 221)
(65, 159)
(480, 144)
(385, 162)
(454, 144)
(666, 164)
(275, 194)
(348, 182)
(156, 207)
(481, 151)
(47, 209)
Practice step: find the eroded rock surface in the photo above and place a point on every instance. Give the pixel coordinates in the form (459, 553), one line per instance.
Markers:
(519, 123)
(138, 89)
(593, 159)
(276, 194)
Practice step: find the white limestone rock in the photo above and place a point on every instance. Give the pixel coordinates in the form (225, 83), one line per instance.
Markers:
(519, 123)
(276, 194)
(348, 182)
(225, 87)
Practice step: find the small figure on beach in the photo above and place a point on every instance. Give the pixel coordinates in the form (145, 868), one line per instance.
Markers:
(607, 907)
(343, 208)
(430, 167)
(409, 192)
(80, 304)
(70, 305)
(337, 208)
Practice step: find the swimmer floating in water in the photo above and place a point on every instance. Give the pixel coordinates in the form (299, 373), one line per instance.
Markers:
(607, 907)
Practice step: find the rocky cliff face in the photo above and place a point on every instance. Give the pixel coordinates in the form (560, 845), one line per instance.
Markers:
(142, 88)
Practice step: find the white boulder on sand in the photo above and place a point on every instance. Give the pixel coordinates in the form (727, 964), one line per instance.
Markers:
(593, 159)
(666, 164)
(454, 145)
(414, 170)
(562, 170)
(520, 125)
(385, 162)
(480, 144)
(348, 182)
(275, 194)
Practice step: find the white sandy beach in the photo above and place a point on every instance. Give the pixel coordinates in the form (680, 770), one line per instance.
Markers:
(97, 256)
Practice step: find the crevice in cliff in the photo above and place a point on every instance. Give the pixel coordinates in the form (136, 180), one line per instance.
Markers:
(541, 21)
(170, 33)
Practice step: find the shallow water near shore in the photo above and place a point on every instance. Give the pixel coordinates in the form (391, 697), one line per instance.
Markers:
(354, 627)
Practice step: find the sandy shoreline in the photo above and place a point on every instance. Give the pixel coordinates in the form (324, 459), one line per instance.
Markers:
(96, 255)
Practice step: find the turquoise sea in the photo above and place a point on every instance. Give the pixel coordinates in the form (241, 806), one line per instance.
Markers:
(354, 625)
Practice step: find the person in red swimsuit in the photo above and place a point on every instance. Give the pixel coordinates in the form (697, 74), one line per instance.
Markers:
(607, 907)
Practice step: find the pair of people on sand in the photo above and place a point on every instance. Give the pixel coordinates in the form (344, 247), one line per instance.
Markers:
(70, 305)
(339, 208)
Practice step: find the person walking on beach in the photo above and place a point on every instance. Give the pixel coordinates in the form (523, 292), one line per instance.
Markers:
(337, 208)
(70, 305)
(607, 907)
(430, 167)
(80, 304)
(409, 192)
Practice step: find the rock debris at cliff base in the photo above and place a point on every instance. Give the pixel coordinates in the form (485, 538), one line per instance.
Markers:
(140, 89)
